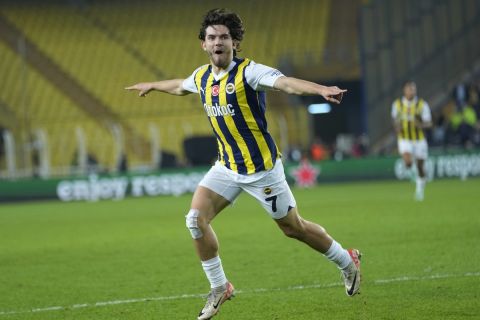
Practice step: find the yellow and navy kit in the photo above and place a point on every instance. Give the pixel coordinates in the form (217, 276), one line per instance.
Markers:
(237, 115)
(406, 113)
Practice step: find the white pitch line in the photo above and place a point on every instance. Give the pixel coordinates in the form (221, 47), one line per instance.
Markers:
(258, 290)
(431, 277)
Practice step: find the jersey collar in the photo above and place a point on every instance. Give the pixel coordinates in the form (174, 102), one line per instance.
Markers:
(405, 101)
(224, 72)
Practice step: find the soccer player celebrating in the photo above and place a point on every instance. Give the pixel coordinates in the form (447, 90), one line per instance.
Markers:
(411, 116)
(232, 91)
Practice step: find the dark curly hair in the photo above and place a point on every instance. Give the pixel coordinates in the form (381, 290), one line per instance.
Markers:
(221, 16)
(408, 82)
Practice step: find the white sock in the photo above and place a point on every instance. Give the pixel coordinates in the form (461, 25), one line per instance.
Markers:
(338, 255)
(214, 272)
(421, 183)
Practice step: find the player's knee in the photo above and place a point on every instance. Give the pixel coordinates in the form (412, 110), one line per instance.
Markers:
(295, 231)
(193, 222)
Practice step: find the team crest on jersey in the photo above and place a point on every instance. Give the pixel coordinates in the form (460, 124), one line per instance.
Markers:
(215, 90)
(230, 88)
(267, 190)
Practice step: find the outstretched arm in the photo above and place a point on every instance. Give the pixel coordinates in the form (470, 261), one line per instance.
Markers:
(306, 88)
(396, 122)
(168, 86)
(424, 120)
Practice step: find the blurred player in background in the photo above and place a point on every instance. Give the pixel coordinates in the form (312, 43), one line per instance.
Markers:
(411, 115)
(232, 91)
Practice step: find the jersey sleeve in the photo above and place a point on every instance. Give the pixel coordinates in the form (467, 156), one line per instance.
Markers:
(189, 83)
(394, 110)
(426, 113)
(261, 77)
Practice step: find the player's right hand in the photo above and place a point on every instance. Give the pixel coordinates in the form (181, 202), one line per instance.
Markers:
(143, 87)
(333, 94)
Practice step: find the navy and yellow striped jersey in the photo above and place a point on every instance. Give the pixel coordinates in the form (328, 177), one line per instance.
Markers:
(237, 115)
(406, 114)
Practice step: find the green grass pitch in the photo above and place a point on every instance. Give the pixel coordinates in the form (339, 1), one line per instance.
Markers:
(134, 259)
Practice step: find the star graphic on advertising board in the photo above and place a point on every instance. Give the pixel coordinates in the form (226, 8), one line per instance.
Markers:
(305, 174)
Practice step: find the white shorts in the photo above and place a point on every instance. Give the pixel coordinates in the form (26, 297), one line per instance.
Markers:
(418, 149)
(270, 188)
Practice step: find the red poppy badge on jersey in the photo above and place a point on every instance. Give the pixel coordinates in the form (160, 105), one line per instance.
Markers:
(215, 90)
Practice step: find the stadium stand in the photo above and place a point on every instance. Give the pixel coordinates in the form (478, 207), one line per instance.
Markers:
(44, 107)
(162, 30)
(103, 46)
(433, 42)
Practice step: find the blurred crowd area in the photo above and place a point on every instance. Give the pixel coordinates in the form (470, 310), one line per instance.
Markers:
(346, 146)
(457, 123)
(455, 126)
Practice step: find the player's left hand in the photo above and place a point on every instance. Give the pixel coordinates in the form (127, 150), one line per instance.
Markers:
(143, 88)
(333, 94)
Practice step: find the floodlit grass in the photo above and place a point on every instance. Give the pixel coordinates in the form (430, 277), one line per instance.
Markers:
(421, 260)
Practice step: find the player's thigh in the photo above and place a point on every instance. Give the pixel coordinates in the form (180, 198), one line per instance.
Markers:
(214, 192)
(273, 193)
(405, 148)
(421, 150)
(208, 203)
(291, 221)
(407, 158)
(276, 199)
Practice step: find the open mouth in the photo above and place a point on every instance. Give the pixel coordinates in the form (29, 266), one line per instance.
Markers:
(218, 51)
